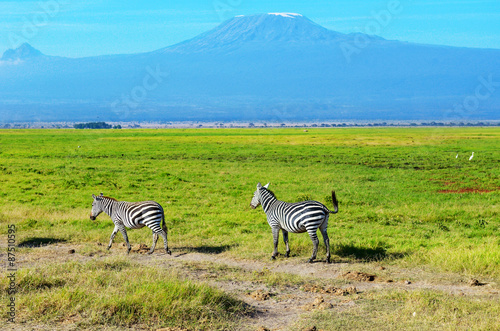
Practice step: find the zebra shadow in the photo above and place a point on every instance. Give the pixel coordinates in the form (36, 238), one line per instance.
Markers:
(39, 242)
(207, 249)
(364, 254)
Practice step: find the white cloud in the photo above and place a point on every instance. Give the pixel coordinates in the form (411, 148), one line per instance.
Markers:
(10, 63)
(452, 16)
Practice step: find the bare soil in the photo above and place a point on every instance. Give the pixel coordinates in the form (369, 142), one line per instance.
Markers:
(275, 307)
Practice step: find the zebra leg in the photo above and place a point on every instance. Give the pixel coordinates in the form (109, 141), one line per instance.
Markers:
(155, 239)
(285, 239)
(315, 240)
(326, 239)
(164, 234)
(276, 235)
(165, 242)
(113, 234)
(125, 237)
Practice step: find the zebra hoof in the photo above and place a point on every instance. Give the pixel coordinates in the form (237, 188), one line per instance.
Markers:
(150, 252)
(287, 254)
(310, 261)
(273, 258)
(169, 252)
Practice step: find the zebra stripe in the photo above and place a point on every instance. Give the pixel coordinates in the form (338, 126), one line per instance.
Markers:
(132, 215)
(299, 217)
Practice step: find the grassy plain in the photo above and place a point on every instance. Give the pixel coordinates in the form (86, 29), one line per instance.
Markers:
(405, 199)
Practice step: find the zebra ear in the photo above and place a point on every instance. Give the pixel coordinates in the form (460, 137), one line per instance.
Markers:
(259, 185)
(93, 196)
(267, 185)
(101, 194)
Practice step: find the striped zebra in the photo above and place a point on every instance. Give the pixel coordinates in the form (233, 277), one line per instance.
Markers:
(295, 218)
(133, 215)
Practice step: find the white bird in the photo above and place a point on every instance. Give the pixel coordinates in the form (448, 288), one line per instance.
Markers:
(470, 158)
(456, 157)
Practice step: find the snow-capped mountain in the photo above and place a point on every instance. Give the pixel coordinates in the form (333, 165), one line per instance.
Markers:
(265, 28)
(276, 66)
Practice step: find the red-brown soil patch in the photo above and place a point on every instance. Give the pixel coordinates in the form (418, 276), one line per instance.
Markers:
(467, 190)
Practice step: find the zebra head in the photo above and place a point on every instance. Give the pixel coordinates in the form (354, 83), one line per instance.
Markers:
(256, 195)
(96, 207)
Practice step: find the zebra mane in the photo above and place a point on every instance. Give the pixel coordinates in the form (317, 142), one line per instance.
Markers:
(272, 193)
(109, 198)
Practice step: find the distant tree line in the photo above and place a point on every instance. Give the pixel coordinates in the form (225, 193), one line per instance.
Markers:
(96, 125)
(383, 124)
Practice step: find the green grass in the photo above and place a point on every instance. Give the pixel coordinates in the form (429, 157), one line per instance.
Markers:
(118, 292)
(388, 183)
(403, 310)
(404, 197)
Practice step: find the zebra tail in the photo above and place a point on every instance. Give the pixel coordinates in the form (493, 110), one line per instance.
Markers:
(335, 203)
(163, 225)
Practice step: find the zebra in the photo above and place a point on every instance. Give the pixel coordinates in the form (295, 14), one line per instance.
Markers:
(296, 217)
(133, 215)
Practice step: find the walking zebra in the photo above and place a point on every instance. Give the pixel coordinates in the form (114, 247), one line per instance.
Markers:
(133, 215)
(295, 218)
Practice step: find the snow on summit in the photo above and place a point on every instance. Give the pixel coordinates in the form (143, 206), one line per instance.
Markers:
(289, 15)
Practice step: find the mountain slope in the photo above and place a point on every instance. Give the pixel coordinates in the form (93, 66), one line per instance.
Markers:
(279, 66)
(23, 52)
(259, 29)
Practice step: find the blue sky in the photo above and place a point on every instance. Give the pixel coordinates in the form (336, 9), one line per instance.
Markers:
(78, 28)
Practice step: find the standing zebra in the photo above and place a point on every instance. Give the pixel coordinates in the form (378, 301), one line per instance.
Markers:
(295, 218)
(133, 215)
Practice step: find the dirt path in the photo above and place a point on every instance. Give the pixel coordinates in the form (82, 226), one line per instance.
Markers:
(286, 304)
(276, 307)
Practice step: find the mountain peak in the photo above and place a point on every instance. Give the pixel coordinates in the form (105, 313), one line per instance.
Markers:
(288, 15)
(25, 51)
(260, 28)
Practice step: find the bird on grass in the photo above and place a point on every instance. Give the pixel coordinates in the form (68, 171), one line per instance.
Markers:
(470, 158)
